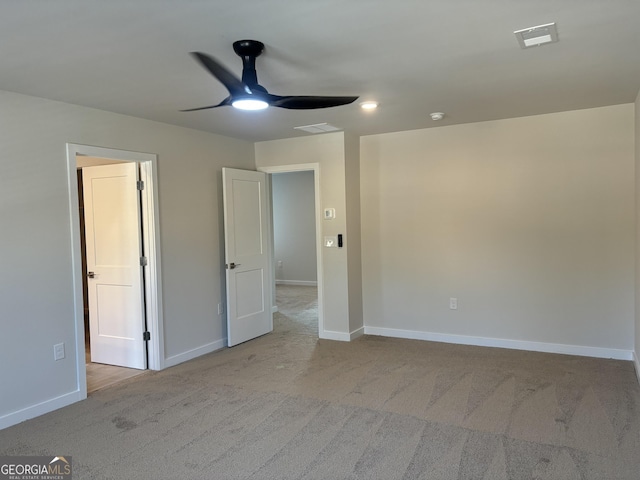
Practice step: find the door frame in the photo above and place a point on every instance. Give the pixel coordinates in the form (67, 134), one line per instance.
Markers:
(151, 245)
(302, 167)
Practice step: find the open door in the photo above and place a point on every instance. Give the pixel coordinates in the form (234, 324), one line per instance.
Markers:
(112, 227)
(247, 255)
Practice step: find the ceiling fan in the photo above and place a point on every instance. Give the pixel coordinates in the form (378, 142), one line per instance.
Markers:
(248, 94)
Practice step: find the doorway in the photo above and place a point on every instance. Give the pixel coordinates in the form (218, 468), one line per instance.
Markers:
(91, 374)
(111, 231)
(298, 245)
(294, 245)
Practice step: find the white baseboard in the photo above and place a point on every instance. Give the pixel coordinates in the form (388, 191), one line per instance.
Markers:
(302, 283)
(196, 352)
(342, 336)
(331, 335)
(504, 343)
(40, 409)
(356, 333)
(636, 364)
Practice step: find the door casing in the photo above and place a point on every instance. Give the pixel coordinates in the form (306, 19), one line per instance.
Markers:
(151, 245)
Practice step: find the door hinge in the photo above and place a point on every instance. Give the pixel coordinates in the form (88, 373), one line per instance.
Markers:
(143, 261)
(146, 336)
(140, 184)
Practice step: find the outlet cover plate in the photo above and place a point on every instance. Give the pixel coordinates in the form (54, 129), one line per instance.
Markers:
(453, 303)
(58, 351)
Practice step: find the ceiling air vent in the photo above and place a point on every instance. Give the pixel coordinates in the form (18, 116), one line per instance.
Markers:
(535, 36)
(317, 128)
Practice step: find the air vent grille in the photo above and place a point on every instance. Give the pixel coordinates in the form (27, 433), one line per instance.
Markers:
(318, 128)
(535, 36)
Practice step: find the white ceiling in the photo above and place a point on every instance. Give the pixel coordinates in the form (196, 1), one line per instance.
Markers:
(412, 56)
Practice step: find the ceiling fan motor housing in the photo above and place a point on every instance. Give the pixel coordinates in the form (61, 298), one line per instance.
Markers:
(248, 50)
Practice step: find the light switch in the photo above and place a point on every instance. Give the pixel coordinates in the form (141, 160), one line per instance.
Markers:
(329, 213)
(331, 242)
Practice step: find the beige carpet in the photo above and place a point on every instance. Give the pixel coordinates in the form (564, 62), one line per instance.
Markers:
(290, 406)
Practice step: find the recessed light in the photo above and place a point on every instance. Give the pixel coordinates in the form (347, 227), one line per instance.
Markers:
(435, 116)
(369, 105)
(535, 36)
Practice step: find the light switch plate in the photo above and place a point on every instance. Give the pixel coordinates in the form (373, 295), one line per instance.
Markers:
(331, 242)
(329, 213)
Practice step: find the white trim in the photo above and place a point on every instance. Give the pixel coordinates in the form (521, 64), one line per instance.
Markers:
(580, 350)
(150, 220)
(41, 408)
(151, 241)
(342, 336)
(636, 364)
(356, 333)
(301, 283)
(315, 167)
(76, 268)
(331, 335)
(196, 352)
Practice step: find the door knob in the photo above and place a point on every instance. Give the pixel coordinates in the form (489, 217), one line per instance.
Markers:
(91, 275)
(232, 265)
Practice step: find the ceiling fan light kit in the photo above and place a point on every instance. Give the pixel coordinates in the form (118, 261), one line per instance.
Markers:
(369, 105)
(249, 104)
(248, 94)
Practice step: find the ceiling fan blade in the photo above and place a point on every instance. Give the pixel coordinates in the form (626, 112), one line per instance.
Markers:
(308, 102)
(226, 101)
(228, 79)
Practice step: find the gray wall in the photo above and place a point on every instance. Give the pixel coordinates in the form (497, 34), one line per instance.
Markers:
(353, 237)
(328, 151)
(294, 227)
(528, 222)
(36, 291)
(637, 286)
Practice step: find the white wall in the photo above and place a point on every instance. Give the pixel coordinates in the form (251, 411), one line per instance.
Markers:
(294, 227)
(528, 222)
(36, 292)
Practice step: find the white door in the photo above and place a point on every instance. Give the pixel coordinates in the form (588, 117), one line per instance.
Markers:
(246, 255)
(112, 228)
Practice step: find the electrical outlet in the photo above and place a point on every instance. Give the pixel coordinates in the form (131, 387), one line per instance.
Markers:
(220, 308)
(453, 303)
(279, 263)
(58, 351)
